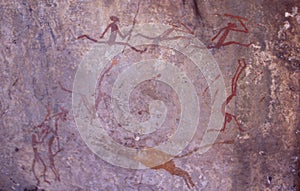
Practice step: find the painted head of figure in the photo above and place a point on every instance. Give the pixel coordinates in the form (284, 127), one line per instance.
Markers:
(114, 18)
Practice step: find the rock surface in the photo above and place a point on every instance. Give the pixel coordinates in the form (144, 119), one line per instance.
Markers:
(41, 148)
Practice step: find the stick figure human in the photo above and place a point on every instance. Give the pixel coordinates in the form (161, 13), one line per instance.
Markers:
(229, 116)
(225, 31)
(114, 32)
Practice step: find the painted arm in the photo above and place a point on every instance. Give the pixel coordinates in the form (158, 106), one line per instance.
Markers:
(123, 36)
(104, 32)
(241, 22)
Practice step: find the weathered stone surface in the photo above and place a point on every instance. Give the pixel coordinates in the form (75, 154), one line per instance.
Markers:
(39, 57)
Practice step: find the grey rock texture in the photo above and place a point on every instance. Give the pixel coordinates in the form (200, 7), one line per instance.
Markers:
(41, 148)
